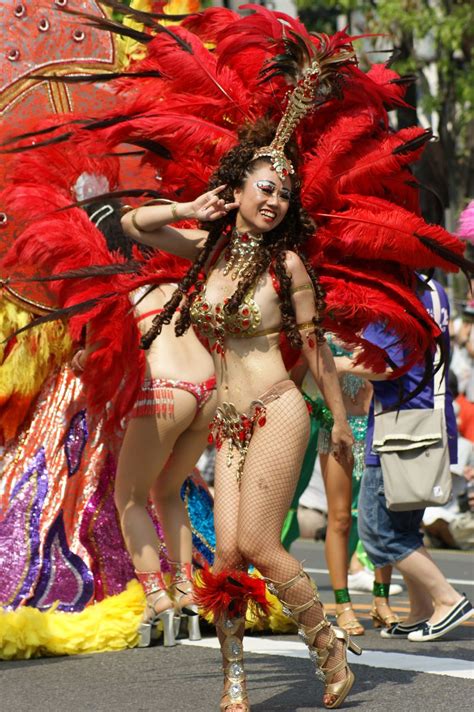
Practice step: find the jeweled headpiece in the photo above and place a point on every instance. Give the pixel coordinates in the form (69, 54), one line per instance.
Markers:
(315, 68)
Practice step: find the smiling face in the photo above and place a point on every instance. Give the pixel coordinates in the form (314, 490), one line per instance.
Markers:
(264, 200)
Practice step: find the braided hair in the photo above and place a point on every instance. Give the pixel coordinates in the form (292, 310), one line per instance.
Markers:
(290, 234)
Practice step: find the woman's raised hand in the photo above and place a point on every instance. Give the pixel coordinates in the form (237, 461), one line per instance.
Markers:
(210, 207)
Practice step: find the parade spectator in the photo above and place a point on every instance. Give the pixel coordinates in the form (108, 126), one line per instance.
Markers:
(394, 537)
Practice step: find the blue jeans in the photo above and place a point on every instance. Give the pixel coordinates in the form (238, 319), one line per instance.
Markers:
(387, 536)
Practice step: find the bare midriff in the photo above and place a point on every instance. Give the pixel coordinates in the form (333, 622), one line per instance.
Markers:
(251, 361)
(248, 368)
(183, 358)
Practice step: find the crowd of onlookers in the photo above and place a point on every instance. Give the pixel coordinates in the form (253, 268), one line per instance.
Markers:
(452, 525)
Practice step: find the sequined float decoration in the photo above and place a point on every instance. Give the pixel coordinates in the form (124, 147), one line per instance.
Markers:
(101, 536)
(75, 441)
(237, 428)
(20, 533)
(64, 576)
(199, 505)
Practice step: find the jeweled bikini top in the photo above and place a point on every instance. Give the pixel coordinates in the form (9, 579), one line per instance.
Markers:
(212, 321)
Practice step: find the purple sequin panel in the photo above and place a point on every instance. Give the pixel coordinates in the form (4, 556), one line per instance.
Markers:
(75, 442)
(64, 577)
(19, 533)
(100, 534)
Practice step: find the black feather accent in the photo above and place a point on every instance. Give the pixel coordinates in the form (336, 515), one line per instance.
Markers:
(406, 79)
(113, 195)
(62, 313)
(414, 143)
(40, 132)
(118, 28)
(131, 267)
(94, 78)
(122, 153)
(152, 146)
(139, 14)
(464, 264)
(49, 142)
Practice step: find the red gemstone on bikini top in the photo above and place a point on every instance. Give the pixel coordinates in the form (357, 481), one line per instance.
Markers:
(245, 311)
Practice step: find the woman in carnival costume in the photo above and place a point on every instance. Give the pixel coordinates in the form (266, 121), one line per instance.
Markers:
(74, 524)
(253, 229)
(259, 284)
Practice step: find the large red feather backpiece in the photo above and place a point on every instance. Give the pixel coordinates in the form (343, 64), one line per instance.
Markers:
(55, 239)
(355, 170)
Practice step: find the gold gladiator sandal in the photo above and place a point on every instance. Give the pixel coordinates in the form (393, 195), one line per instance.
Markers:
(155, 590)
(235, 693)
(308, 634)
(182, 587)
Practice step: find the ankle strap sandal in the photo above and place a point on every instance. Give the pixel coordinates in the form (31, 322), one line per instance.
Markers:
(155, 590)
(182, 586)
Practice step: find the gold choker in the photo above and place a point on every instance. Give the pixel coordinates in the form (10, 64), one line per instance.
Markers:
(241, 252)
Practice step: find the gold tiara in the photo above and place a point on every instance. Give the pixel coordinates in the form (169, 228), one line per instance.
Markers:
(316, 70)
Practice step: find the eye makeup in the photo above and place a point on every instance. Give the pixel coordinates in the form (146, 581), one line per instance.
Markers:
(268, 187)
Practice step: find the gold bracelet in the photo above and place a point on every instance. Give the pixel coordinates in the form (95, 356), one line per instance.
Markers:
(174, 211)
(134, 221)
(135, 224)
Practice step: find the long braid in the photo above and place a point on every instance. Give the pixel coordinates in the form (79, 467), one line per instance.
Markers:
(320, 294)
(288, 317)
(189, 279)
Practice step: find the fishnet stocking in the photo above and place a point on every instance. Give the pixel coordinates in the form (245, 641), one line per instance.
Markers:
(249, 521)
(270, 476)
(226, 511)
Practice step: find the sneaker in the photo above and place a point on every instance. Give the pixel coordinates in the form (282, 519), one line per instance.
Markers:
(458, 613)
(363, 581)
(401, 630)
(360, 582)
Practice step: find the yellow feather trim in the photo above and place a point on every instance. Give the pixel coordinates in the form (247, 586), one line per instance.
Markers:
(130, 49)
(26, 365)
(111, 624)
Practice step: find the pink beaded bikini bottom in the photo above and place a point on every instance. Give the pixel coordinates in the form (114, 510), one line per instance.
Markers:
(156, 396)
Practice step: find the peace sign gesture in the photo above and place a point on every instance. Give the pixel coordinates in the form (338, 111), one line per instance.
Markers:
(210, 207)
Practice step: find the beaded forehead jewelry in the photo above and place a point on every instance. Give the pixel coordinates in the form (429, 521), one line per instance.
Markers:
(315, 67)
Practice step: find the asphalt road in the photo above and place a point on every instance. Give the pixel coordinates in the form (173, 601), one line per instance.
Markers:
(390, 675)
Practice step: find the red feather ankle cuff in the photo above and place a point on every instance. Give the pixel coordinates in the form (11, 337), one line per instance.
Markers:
(229, 592)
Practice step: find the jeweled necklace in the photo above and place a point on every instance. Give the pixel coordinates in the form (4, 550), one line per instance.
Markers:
(241, 252)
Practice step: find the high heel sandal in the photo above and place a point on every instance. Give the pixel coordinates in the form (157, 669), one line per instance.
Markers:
(155, 586)
(381, 590)
(319, 656)
(352, 626)
(380, 621)
(235, 693)
(181, 587)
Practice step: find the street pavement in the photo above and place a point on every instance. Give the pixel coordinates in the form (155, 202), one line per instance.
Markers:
(393, 676)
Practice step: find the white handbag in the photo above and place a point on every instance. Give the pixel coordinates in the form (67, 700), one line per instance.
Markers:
(413, 448)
